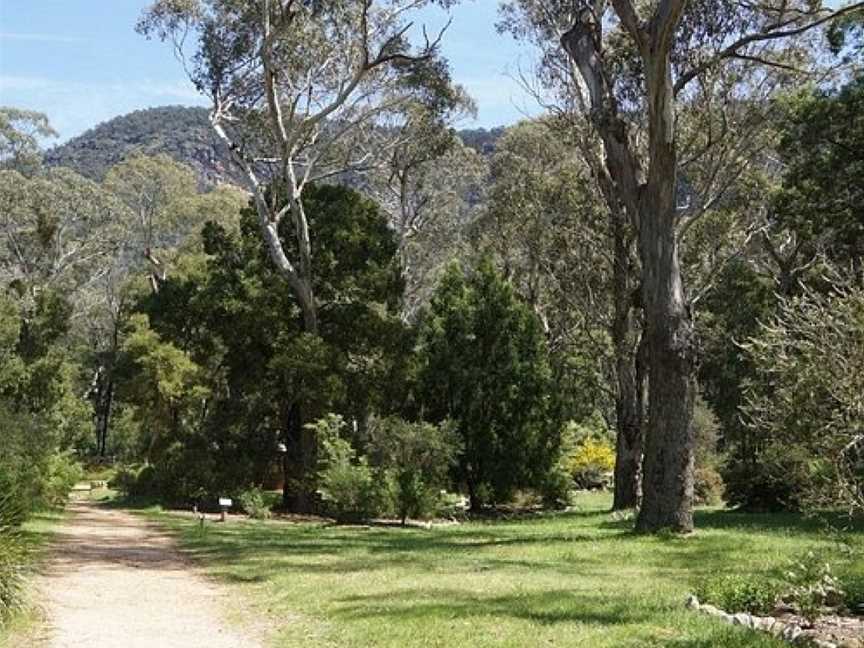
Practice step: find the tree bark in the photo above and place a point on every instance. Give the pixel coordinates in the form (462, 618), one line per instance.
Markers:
(629, 408)
(298, 492)
(669, 441)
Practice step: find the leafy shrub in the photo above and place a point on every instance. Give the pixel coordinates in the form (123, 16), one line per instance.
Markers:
(774, 480)
(13, 502)
(708, 486)
(813, 586)
(736, 593)
(135, 481)
(254, 503)
(557, 486)
(347, 483)
(805, 400)
(418, 458)
(591, 463)
(852, 586)
(62, 473)
(12, 558)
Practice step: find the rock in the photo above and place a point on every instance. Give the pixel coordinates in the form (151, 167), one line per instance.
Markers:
(712, 611)
(821, 643)
(742, 619)
(791, 632)
(767, 624)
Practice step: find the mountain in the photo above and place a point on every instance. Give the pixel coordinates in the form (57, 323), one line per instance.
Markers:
(185, 134)
(182, 132)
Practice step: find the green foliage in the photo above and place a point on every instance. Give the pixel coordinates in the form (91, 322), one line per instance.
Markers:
(12, 558)
(822, 146)
(20, 131)
(135, 481)
(738, 593)
(805, 407)
(254, 503)
(219, 372)
(852, 585)
(483, 365)
(41, 416)
(418, 458)
(348, 485)
(62, 471)
(708, 485)
(812, 585)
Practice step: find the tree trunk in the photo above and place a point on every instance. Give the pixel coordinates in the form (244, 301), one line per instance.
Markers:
(629, 402)
(298, 492)
(103, 416)
(669, 441)
(629, 441)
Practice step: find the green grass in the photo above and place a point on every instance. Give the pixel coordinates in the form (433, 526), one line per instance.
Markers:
(575, 579)
(36, 533)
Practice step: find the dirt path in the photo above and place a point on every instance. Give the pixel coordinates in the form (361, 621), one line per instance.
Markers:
(115, 582)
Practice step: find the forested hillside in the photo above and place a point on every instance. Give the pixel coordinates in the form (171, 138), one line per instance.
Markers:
(184, 133)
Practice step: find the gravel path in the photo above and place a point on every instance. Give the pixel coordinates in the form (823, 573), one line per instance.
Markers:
(115, 582)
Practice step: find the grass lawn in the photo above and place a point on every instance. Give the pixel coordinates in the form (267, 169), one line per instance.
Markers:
(36, 532)
(575, 579)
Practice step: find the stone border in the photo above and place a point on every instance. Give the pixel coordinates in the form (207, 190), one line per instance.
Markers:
(789, 632)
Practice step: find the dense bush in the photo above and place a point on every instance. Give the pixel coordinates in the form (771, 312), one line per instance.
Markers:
(592, 462)
(804, 408)
(254, 503)
(773, 478)
(62, 472)
(135, 481)
(852, 586)
(349, 487)
(735, 593)
(12, 555)
(417, 457)
(708, 486)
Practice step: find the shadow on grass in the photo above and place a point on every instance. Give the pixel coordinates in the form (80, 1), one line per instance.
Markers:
(571, 544)
(547, 607)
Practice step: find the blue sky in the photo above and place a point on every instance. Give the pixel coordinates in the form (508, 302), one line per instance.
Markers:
(81, 62)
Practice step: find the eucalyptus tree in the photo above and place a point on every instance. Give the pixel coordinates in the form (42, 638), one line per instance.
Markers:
(622, 60)
(431, 189)
(57, 232)
(152, 187)
(164, 215)
(20, 132)
(304, 92)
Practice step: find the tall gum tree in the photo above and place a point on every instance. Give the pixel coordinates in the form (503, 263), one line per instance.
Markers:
(664, 46)
(302, 92)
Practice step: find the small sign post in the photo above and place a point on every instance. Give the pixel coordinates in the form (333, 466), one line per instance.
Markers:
(225, 503)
